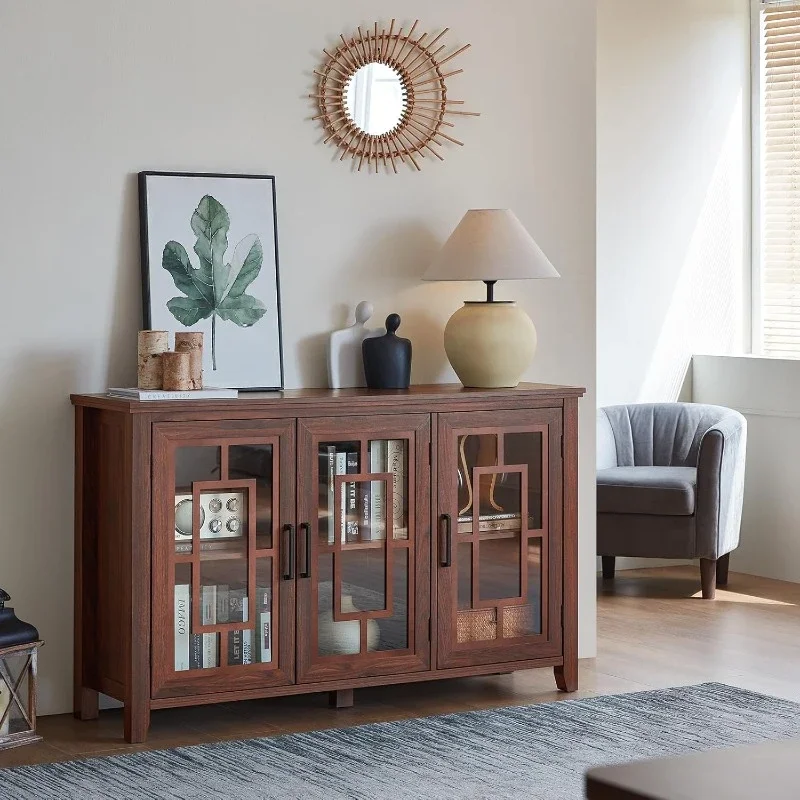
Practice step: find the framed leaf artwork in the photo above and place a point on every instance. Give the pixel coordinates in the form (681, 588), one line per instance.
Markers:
(210, 264)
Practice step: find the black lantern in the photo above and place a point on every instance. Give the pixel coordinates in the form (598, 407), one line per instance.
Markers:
(19, 643)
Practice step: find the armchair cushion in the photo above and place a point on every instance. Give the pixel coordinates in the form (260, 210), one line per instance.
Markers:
(666, 491)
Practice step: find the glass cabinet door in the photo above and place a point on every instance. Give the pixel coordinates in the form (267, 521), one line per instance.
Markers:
(498, 538)
(223, 556)
(364, 514)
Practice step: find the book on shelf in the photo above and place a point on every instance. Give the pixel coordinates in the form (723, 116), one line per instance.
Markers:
(209, 393)
(377, 499)
(210, 545)
(237, 612)
(208, 608)
(223, 602)
(236, 605)
(490, 522)
(327, 472)
(331, 491)
(497, 516)
(322, 486)
(352, 515)
(247, 637)
(396, 464)
(196, 651)
(364, 512)
(182, 617)
(263, 620)
(188, 646)
(235, 648)
(265, 637)
(341, 469)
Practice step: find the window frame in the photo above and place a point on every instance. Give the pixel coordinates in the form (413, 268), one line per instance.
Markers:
(754, 196)
(756, 321)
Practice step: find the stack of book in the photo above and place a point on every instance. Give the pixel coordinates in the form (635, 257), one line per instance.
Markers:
(223, 545)
(363, 514)
(209, 393)
(222, 604)
(490, 522)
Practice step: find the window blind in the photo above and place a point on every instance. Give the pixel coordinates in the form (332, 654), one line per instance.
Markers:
(780, 179)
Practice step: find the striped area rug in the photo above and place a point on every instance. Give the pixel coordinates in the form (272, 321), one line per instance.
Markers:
(530, 752)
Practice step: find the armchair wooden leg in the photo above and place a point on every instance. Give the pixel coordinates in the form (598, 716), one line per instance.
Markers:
(608, 567)
(708, 577)
(722, 569)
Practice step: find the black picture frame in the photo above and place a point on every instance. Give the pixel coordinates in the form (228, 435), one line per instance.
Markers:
(146, 264)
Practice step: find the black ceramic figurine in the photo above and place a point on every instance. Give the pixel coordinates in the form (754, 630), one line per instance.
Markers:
(14, 631)
(387, 358)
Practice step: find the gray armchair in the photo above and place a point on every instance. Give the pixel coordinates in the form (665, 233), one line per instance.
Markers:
(670, 479)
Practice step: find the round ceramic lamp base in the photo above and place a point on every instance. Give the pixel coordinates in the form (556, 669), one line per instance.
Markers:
(490, 345)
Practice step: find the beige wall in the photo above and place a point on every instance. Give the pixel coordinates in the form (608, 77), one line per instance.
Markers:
(672, 179)
(95, 90)
(765, 390)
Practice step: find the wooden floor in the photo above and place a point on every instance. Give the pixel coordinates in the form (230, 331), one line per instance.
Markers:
(653, 631)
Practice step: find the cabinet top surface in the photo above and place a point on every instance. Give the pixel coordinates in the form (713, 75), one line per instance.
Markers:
(431, 393)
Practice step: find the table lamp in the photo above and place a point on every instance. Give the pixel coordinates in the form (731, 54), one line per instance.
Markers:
(490, 343)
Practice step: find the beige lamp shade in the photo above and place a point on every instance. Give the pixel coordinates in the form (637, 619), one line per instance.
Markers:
(490, 244)
(490, 344)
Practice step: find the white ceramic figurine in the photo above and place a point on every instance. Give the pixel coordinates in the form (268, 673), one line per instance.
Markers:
(345, 362)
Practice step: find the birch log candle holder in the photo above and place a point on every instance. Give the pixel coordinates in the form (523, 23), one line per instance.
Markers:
(409, 115)
(152, 345)
(192, 343)
(177, 376)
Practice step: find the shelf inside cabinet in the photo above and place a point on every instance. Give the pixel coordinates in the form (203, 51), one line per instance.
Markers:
(374, 545)
(503, 534)
(219, 553)
(508, 534)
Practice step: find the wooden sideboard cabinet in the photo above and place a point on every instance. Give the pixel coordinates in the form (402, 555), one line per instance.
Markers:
(316, 540)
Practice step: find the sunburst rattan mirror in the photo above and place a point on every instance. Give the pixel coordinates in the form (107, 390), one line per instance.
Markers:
(383, 98)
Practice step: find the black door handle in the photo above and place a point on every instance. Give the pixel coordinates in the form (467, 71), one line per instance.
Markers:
(289, 551)
(446, 540)
(306, 571)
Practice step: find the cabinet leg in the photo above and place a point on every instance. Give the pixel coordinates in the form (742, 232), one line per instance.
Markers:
(567, 676)
(341, 698)
(87, 704)
(137, 723)
(609, 567)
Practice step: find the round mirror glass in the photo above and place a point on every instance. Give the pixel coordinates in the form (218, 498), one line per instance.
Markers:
(375, 98)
